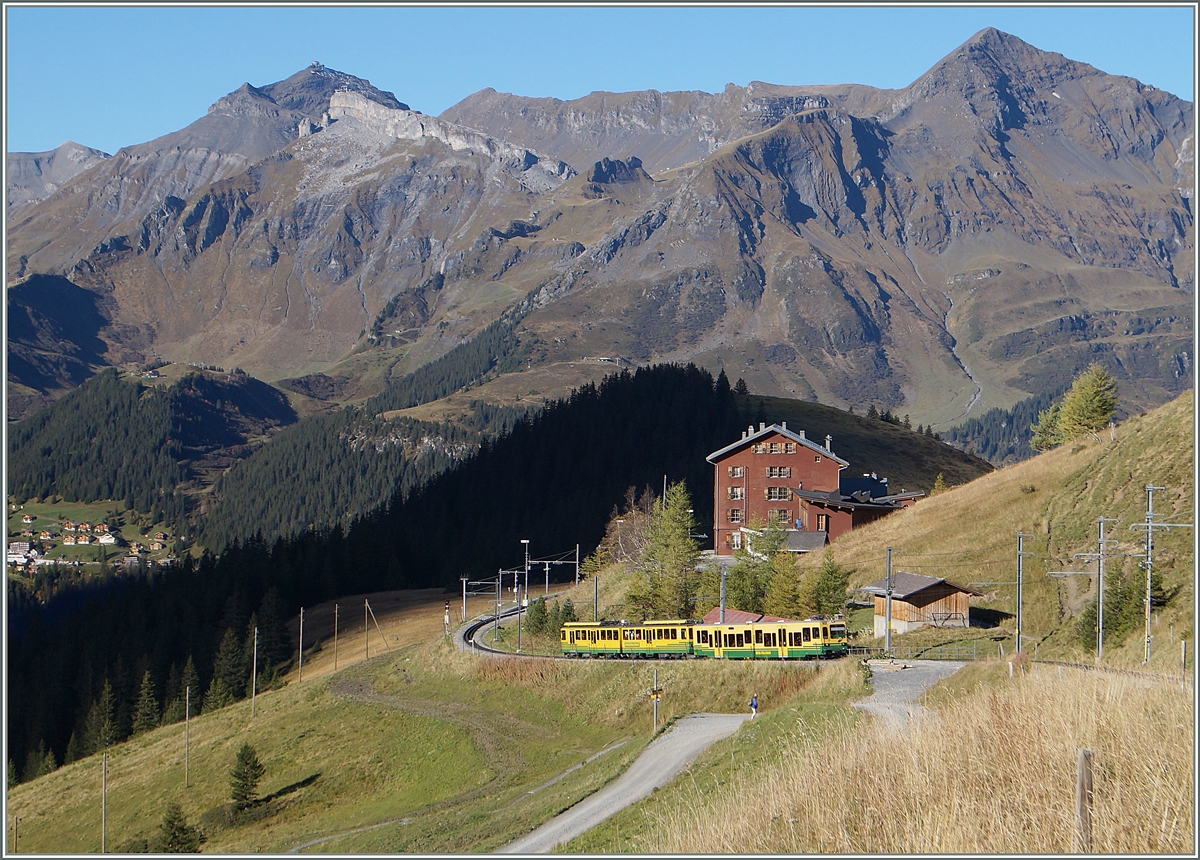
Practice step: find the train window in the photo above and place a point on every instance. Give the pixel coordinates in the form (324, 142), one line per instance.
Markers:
(807, 634)
(824, 632)
(741, 640)
(758, 637)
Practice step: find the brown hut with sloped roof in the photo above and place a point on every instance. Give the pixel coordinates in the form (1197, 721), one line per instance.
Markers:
(920, 601)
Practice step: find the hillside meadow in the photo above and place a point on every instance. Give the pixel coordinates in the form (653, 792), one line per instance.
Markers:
(968, 535)
(422, 748)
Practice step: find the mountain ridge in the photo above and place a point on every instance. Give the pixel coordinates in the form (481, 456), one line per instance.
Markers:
(1042, 176)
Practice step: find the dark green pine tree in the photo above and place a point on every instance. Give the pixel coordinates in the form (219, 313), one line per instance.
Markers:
(145, 712)
(175, 835)
(243, 779)
(218, 695)
(12, 773)
(535, 618)
(229, 665)
(99, 727)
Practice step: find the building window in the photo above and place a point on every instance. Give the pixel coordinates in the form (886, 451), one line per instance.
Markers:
(817, 458)
(759, 447)
(734, 515)
(781, 516)
(737, 471)
(789, 447)
(822, 522)
(779, 471)
(783, 494)
(735, 540)
(737, 493)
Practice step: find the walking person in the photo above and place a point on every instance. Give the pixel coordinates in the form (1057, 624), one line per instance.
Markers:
(754, 706)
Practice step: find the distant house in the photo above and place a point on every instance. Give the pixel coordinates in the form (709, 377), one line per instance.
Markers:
(776, 475)
(757, 478)
(107, 539)
(920, 601)
(69, 526)
(69, 540)
(27, 518)
(82, 540)
(100, 528)
(157, 546)
(85, 527)
(162, 536)
(46, 534)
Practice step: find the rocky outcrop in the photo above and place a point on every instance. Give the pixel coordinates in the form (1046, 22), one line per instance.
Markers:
(410, 125)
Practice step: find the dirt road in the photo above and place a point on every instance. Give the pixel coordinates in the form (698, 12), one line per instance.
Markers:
(658, 764)
(898, 685)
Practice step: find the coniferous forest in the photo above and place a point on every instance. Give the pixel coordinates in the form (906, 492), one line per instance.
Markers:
(84, 663)
(1001, 436)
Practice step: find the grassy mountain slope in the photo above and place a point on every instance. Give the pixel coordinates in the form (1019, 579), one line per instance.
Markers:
(969, 533)
(484, 740)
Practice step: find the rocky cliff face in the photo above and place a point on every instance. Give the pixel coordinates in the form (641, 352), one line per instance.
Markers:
(924, 249)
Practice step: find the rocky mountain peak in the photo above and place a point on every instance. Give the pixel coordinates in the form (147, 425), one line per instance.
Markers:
(308, 90)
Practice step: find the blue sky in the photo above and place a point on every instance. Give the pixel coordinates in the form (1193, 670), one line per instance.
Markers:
(109, 76)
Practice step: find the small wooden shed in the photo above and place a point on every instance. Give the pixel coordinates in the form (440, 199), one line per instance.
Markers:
(920, 601)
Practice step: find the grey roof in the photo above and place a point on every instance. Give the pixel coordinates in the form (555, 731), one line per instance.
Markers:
(781, 429)
(857, 499)
(798, 541)
(905, 584)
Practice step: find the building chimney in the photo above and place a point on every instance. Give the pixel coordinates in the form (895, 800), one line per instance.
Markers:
(801, 434)
(750, 430)
(829, 444)
(762, 425)
(784, 425)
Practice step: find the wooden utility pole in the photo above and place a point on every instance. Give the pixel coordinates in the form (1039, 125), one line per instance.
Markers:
(300, 660)
(335, 620)
(187, 719)
(1083, 802)
(887, 630)
(254, 675)
(103, 802)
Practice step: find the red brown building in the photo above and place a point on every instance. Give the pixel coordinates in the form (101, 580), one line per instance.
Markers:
(759, 478)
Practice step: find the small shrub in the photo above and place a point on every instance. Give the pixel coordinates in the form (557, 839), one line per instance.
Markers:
(1028, 488)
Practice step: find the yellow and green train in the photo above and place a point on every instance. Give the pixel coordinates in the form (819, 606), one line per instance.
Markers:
(764, 640)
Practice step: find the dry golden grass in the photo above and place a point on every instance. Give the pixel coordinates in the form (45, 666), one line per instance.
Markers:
(993, 773)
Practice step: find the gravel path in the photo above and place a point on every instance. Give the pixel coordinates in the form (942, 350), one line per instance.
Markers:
(658, 764)
(898, 685)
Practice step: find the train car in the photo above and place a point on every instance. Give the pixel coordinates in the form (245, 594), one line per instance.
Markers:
(591, 639)
(658, 639)
(773, 640)
(815, 637)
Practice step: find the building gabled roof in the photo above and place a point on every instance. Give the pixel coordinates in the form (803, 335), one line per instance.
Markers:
(860, 499)
(798, 541)
(900, 497)
(751, 436)
(905, 585)
(739, 616)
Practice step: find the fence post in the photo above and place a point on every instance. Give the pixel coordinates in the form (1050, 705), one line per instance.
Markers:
(1083, 801)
